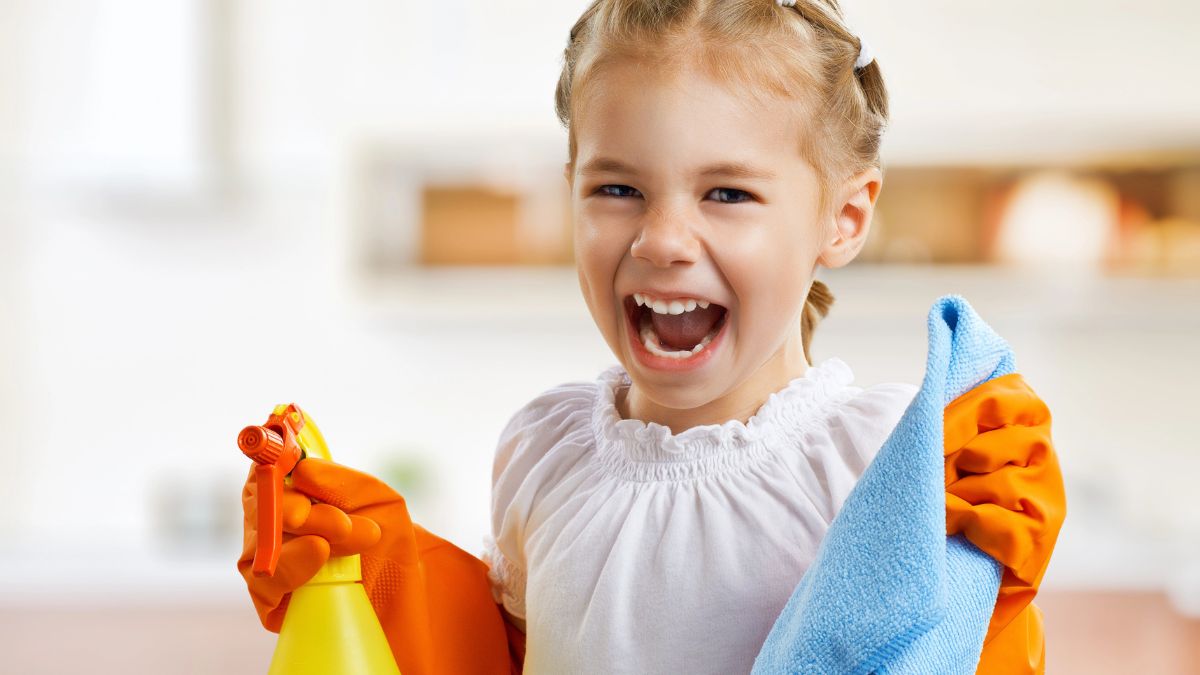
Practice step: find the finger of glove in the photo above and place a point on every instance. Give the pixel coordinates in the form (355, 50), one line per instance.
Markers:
(299, 560)
(295, 504)
(248, 487)
(326, 521)
(297, 509)
(302, 517)
(341, 486)
(364, 534)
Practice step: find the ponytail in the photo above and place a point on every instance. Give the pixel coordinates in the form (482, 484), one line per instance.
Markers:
(816, 307)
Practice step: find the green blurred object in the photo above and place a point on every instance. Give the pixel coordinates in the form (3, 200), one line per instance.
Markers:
(409, 473)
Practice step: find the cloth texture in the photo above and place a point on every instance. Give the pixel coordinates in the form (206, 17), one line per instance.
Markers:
(889, 591)
(629, 549)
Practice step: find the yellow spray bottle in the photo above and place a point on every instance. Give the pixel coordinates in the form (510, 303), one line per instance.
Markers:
(330, 627)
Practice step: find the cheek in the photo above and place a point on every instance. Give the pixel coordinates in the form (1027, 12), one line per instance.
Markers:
(597, 256)
(769, 283)
(598, 249)
(758, 266)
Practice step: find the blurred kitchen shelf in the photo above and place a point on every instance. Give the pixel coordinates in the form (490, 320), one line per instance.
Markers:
(865, 293)
(475, 293)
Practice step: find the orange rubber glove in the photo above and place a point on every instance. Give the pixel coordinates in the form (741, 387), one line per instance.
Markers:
(1004, 492)
(432, 598)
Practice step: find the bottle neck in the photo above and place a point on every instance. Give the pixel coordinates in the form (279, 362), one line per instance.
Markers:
(339, 570)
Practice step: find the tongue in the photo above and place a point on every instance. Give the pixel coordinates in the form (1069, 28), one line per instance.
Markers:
(684, 331)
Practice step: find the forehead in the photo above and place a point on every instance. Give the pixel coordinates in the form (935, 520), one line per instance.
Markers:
(683, 118)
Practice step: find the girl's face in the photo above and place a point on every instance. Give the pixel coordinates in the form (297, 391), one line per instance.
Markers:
(683, 190)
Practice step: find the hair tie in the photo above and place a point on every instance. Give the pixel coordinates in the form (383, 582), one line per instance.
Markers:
(865, 54)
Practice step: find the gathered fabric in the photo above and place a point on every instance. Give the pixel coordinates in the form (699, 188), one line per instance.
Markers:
(631, 549)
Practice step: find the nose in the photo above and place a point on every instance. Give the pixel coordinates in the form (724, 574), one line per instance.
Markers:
(664, 239)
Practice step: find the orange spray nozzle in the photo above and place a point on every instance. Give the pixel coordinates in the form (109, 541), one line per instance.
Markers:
(275, 450)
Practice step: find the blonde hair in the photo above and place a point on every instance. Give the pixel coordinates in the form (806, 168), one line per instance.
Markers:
(803, 54)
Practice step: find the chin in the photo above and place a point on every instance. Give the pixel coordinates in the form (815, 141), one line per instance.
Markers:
(676, 393)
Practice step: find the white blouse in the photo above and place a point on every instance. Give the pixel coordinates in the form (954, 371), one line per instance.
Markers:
(631, 550)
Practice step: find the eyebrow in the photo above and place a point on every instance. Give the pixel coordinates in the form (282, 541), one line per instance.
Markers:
(729, 169)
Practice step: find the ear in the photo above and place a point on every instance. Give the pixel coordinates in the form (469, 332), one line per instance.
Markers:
(569, 174)
(851, 221)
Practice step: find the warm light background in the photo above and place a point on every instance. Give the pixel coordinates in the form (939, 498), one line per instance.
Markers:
(208, 207)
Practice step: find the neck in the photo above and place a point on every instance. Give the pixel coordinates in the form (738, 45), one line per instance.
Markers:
(739, 403)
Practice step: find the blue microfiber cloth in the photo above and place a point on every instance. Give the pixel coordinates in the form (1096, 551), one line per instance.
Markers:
(888, 591)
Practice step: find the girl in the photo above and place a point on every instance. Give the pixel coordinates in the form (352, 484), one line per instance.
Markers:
(656, 519)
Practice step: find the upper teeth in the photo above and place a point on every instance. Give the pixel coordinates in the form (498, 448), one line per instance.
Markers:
(677, 306)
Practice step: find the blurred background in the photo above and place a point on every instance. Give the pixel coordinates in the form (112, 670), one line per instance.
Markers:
(209, 207)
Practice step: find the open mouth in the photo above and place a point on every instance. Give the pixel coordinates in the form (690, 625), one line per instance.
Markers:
(679, 330)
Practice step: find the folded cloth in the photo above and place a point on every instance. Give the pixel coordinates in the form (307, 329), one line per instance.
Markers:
(889, 591)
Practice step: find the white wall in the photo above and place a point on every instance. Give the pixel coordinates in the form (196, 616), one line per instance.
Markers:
(1036, 80)
(310, 81)
(969, 81)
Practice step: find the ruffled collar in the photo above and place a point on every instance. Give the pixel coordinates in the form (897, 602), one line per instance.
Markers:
(649, 451)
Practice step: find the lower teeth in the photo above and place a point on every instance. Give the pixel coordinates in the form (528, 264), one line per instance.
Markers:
(650, 341)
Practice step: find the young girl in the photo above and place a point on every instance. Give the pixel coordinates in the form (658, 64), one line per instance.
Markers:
(657, 519)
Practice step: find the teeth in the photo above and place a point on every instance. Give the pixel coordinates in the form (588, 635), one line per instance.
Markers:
(669, 307)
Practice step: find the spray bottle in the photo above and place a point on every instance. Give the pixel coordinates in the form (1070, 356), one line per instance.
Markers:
(330, 627)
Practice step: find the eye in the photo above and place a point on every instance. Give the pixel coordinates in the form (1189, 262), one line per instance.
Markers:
(738, 195)
(732, 195)
(603, 190)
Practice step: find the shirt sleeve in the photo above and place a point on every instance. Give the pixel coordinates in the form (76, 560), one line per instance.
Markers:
(527, 438)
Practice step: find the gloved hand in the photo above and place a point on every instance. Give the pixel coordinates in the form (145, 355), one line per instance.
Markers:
(432, 598)
(311, 534)
(1004, 492)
